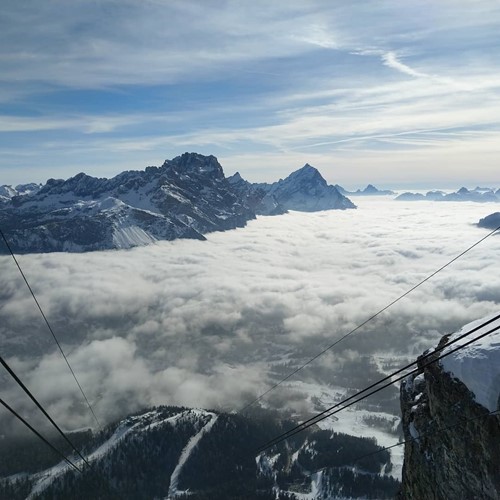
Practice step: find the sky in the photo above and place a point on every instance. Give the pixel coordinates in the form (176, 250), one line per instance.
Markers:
(214, 323)
(394, 93)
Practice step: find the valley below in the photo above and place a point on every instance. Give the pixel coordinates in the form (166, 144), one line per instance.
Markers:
(214, 324)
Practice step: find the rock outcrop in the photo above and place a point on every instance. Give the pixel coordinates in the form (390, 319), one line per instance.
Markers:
(452, 449)
(491, 221)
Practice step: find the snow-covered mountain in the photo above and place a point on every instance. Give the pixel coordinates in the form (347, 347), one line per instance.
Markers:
(256, 196)
(170, 452)
(186, 197)
(7, 192)
(304, 190)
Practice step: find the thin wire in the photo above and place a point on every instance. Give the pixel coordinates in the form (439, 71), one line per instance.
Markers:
(277, 384)
(32, 429)
(41, 408)
(328, 412)
(390, 376)
(50, 328)
(424, 434)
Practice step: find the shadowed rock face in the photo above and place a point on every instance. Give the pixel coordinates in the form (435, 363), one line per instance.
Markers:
(491, 221)
(453, 451)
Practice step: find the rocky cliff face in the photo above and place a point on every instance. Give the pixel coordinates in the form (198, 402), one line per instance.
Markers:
(453, 448)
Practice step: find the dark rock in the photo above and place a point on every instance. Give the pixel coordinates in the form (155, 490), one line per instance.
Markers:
(451, 450)
(491, 221)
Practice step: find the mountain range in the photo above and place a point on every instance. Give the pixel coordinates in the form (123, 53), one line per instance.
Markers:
(186, 197)
(369, 190)
(478, 194)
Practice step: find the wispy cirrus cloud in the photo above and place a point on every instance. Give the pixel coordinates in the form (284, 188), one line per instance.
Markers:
(391, 60)
(231, 78)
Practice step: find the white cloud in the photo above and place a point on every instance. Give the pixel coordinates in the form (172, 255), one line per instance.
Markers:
(203, 323)
(390, 59)
(267, 80)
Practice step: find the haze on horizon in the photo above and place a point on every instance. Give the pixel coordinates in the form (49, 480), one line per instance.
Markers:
(393, 93)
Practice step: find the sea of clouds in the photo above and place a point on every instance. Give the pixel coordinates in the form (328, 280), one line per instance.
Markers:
(214, 323)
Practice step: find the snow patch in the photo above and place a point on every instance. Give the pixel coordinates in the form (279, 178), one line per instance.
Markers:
(131, 236)
(413, 431)
(477, 365)
(173, 490)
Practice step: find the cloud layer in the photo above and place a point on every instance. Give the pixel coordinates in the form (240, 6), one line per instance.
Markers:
(214, 323)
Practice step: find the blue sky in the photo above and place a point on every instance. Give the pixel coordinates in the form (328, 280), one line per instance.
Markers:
(389, 92)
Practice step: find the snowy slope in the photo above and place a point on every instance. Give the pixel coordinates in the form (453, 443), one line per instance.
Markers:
(170, 452)
(184, 198)
(477, 365)
(141, 423)
(186, 453)
(304, 190)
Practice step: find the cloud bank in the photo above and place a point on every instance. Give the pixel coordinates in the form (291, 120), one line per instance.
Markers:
(215, 323)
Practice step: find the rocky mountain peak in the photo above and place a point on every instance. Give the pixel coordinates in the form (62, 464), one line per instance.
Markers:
(197, 164)
(236, 177)
(307, 173)
(80, 185)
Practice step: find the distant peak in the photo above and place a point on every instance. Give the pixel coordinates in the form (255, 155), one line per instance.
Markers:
(307, 166)
(195, 162)
(370, 189)
(307, 172)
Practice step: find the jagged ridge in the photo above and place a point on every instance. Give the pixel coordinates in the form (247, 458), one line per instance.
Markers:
(186, 197)
(304, 190)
